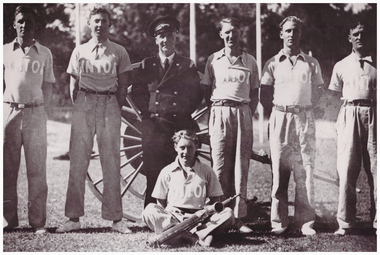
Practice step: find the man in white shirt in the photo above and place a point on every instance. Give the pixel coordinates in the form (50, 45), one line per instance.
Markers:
(231, 82)
(98, 71)
(355, 78)
(182, 189)
(290, 83)
(28, 79)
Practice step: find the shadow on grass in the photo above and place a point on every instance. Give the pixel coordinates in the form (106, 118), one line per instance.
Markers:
(82, 230)
(230, 239)
(258, 219)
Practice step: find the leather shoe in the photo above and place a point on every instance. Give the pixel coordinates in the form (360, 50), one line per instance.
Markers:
(40, 231)
(68, 226)
(308, 231)
(206, 242)
(279, 231)
(121, 227)
(243, 229)
(342, 231)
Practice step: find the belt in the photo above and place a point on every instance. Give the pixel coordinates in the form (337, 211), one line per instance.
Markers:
(105, 93)
(292, 108)
(229, 103)
(22, 106)
(185, 210)
(361, 102)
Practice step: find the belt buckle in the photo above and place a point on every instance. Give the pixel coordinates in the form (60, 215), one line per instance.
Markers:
(20, 106)
(295, 109)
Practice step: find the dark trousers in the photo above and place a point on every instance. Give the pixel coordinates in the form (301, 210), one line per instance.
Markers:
(158, 152)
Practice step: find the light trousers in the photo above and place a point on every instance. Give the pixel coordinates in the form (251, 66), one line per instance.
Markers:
(292, 146)
(27, 128)
(357, 146)
(231, 140)
(159, 219)
(100, 115)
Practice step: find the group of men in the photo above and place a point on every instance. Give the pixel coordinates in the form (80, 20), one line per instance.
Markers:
(167, 89)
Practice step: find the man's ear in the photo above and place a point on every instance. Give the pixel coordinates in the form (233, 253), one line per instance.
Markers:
(220, 34)
(281, 35)
(14, 25)
(349, 38)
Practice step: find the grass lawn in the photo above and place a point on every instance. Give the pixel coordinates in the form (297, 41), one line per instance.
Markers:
(97, 236)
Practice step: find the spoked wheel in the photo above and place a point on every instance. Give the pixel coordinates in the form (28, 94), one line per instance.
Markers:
(132, 179)
(201, 117)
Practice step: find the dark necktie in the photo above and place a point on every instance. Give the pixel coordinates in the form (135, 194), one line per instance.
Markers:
(361, 61)
(97, 51)
(167, 65)
(367, 59)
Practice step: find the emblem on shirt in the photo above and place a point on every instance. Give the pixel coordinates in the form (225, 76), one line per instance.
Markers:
(27, 65)
(189, 191)
(295, 76)
(233, 75)
(100, 66)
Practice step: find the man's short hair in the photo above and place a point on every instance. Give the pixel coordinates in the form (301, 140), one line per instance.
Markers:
(359, 21)
(233, 21)
(24, 9)
(291, 18)
(99, 9)
(186, 134)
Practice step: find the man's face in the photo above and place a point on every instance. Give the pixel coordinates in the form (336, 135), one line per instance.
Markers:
(358, 37)
(186, 149)
(25, 25)
(166, 42)
(230, 35)
(291, 34)
(99, 25)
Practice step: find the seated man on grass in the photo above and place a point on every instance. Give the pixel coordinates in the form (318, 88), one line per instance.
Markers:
(182, 189)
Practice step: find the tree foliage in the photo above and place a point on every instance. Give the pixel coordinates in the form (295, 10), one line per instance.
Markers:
(324, 33)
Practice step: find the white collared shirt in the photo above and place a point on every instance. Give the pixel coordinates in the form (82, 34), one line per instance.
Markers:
(24, 72)
(187, 192)
(354, 81)
(232, 81)
(99, 74)
(292, 81)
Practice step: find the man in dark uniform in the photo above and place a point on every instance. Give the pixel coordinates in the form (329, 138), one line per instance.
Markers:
(166, 89)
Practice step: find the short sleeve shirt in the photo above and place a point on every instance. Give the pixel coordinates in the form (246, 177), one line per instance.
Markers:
(353, 79)
(292, 82)
(98, 65)
(24, 73)
(190, 192)
(231, 81)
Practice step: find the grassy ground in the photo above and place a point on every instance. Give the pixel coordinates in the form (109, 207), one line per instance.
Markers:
(97, 236)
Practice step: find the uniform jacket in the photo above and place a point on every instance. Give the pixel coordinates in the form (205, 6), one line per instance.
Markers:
(173, 96)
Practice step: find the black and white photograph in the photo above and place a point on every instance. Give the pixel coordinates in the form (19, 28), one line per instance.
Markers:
(189, 127)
